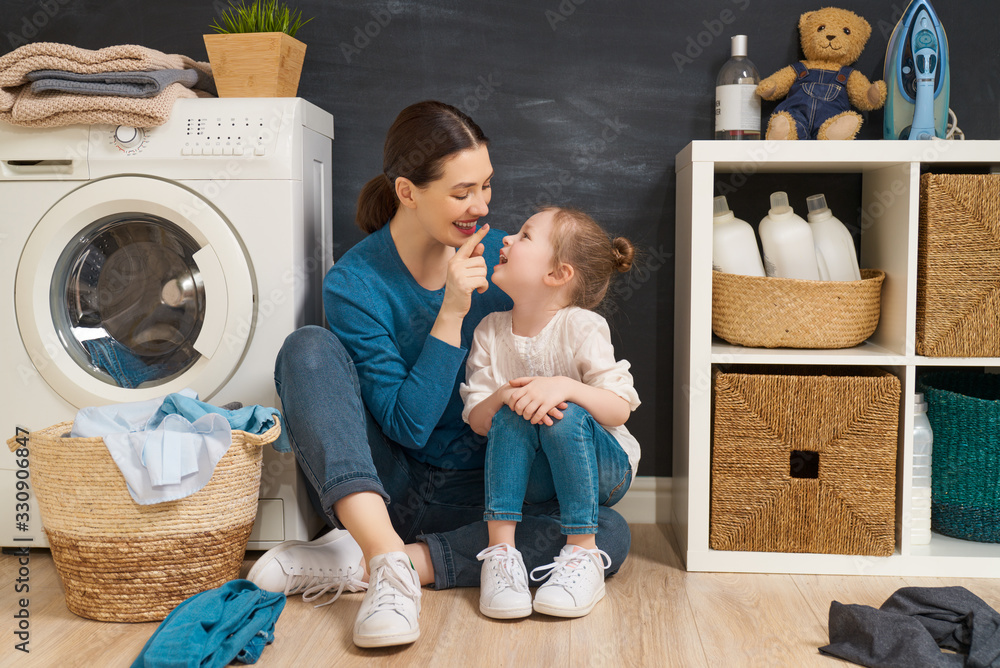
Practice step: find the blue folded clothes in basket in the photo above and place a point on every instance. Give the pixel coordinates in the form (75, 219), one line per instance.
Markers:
(167, 448)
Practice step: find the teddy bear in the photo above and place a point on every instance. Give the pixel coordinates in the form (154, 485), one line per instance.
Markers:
(821, 90)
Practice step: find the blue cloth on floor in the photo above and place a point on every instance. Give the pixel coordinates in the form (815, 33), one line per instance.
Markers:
(213, 628)
(120, 362)
(168, 448)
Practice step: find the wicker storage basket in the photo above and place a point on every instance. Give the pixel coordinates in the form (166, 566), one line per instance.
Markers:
(964, 411)
(958, 266)
(122, 562)
(765, 312)
(804, 463)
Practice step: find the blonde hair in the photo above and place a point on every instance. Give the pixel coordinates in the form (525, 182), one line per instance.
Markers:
(579, 241)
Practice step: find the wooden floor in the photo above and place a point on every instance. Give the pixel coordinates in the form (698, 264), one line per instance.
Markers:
(655, 614)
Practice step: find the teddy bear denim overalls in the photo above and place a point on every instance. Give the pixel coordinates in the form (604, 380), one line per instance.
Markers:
(816, 96)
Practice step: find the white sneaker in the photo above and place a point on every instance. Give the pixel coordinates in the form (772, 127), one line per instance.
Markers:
(575, 582)
(389, 611)
(312, 568)
(503, 592)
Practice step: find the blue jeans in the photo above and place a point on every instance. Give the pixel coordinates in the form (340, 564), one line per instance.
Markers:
(342, 450)
(575, 456)
(815, 96)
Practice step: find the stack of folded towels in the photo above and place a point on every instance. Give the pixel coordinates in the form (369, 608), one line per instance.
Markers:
(46, 84)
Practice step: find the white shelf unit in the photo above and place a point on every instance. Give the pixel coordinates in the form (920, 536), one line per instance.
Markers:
(890, 176)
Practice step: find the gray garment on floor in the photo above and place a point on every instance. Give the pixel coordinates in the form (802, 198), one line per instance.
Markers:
(125, 84)
(912, 627)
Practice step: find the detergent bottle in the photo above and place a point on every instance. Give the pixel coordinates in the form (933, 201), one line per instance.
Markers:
(789, 249)
(734, 244)
(835, 254)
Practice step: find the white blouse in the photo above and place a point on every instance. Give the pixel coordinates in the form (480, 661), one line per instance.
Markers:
(576, 343)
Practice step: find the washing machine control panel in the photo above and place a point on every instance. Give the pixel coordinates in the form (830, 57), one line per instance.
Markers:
(227, 135)
(129, 140)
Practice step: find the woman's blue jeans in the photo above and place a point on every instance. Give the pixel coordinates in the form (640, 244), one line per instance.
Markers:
(574, 455)
(342, 450)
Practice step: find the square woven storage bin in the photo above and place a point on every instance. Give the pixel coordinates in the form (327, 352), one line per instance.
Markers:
(963, 408)
(803, 462)
(958, 266)
(123, 562)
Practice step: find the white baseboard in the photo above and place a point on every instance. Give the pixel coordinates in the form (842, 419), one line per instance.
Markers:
(647, 501)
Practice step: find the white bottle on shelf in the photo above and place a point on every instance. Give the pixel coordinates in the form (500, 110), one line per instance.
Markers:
(789, 249)
(835, 254)
(737, 106)
(923, 443)
(734, 244)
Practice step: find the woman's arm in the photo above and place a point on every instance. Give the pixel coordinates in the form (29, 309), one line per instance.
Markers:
(466, 273)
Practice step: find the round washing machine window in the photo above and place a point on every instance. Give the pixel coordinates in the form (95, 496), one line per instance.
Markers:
(133, 287)
(128, 300)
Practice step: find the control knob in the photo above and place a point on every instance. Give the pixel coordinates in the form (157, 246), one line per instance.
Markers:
(127, 137)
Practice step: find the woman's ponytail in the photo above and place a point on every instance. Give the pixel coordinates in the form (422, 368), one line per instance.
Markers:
(377, 203)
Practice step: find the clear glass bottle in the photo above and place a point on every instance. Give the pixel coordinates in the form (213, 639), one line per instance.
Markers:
(737, 106)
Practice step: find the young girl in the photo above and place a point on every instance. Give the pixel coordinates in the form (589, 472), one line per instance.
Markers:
(543, 383)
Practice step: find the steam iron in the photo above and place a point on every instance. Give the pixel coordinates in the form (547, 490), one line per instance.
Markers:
(916, 76)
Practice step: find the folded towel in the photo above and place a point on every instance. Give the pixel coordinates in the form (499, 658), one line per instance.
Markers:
(127, 84)
(19, 105)
(16, 65)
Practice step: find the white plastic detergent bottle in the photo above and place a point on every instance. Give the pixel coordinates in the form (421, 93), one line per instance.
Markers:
(835, 252)
(789, 250)
(734, 244)
(923, 446)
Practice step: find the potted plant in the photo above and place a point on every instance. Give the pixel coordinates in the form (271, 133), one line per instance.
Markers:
(255, 53)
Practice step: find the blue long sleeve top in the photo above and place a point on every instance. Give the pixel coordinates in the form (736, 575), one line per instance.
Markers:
(409, 379)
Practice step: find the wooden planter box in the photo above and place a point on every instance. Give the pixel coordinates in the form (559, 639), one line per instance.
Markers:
(261, 64)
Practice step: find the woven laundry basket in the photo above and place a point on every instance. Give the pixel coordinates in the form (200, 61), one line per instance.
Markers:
(803, 462)
(958, 266)
(964, 411)
(768, 312)
(123, 562)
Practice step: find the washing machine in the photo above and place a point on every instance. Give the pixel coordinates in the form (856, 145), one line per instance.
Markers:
(136, 262)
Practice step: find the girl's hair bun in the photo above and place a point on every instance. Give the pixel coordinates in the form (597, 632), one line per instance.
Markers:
(623, 253)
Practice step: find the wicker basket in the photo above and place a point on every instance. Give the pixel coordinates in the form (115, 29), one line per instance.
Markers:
(964, 411)
(123, 562)
(958, 266)
(804, 463)
(765, 312)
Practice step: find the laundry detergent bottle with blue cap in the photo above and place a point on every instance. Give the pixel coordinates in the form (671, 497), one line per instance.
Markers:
(789, 249)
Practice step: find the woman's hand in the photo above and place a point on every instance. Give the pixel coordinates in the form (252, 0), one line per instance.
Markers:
(466, 273)
(539, 398)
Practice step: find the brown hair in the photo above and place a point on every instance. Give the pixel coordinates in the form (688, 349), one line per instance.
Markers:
(421, 139)
(579, 241)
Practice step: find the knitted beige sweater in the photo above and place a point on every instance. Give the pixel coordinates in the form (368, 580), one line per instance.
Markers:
(19, 106)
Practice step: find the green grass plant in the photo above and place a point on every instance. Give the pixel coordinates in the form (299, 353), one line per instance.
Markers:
(260, 16)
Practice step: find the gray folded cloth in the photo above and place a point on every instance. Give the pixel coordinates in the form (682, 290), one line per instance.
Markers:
(126, 84)
(912, 627)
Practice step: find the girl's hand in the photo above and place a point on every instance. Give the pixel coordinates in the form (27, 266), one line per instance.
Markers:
(466, 272)
(539, 399)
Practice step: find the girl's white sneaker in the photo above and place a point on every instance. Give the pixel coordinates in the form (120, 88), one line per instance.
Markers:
(503, 592)
(575, 582)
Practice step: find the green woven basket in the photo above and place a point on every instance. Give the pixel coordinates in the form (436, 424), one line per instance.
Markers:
(964, 411)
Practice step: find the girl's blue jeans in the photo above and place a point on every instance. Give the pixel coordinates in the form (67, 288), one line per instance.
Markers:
(341, 450)
(574, 458)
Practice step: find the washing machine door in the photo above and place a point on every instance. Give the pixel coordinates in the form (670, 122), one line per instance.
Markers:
(133, 287)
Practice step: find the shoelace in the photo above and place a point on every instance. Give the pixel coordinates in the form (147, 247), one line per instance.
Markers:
(313, 586)
(566, 568)
(505, 567)
(393, 581)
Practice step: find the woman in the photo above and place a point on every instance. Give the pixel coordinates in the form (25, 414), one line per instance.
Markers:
(373, 406)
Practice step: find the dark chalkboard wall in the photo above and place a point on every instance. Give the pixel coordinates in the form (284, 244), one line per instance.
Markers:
(586, 102)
